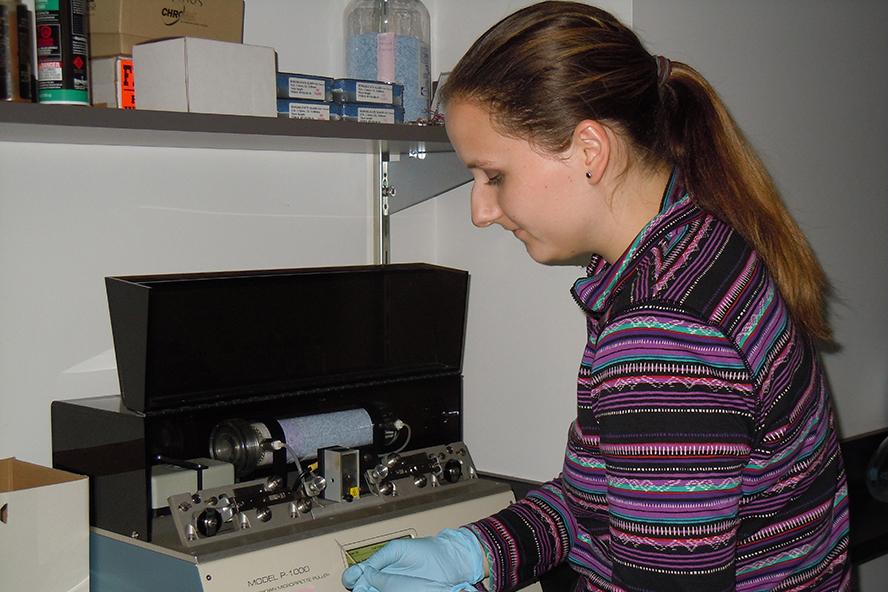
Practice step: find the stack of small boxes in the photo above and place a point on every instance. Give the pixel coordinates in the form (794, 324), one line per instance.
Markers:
(302, 96)
(369, 101)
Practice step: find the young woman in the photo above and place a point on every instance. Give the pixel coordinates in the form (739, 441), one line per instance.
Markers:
(704, 455)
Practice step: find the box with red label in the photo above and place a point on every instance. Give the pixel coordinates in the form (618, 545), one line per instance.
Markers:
(113, 83)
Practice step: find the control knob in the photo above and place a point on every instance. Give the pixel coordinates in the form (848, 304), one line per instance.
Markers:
(226, 508)
(208, 522)
(273, 484)
(378, 473)
(263, 513)
(452, 471)
(314, 485)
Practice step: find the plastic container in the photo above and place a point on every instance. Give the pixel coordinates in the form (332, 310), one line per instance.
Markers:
(388, 40)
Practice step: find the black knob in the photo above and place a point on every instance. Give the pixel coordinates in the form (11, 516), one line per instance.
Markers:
(208, 522)
(452, 471)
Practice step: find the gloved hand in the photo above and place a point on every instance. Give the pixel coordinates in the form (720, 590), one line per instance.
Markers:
(373, 580)
(452, 557)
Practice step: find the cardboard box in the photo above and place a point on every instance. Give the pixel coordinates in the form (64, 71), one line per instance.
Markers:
(203, 76)
(113, 83)
(44, 528)
(117, 25)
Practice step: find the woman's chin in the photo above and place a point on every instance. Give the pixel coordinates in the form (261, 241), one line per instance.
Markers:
(545, 257)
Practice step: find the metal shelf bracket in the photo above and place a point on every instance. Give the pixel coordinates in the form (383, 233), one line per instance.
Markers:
(405, 180)
(422, 175)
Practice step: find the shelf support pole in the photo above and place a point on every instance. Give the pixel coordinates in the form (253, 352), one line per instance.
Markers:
(382, 191)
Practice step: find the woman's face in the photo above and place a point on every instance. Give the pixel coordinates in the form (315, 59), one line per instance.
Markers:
(546, 201)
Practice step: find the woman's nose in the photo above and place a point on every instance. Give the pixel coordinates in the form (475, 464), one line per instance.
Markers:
(485, 209)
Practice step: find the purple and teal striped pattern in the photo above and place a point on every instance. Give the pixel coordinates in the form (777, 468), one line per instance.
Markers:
(703, 456)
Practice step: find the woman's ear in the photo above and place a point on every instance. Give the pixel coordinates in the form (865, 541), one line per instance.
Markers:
(592, 139)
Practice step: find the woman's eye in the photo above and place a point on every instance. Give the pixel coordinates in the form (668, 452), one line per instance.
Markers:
(495, 180)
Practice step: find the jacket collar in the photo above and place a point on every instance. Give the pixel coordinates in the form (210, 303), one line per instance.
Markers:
(595, 292)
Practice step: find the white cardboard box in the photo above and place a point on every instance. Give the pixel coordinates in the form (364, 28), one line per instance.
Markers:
(44, 528)
(112, 82)
(204, 76)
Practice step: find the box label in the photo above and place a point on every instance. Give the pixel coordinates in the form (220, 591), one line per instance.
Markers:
(367, 92)
(126, 98)
(303, 111)
(304, 88)
(376, 115)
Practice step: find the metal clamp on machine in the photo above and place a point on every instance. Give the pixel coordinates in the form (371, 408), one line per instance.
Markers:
(274, 426)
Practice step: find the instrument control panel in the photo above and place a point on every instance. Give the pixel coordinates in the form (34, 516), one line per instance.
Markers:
(262, 505)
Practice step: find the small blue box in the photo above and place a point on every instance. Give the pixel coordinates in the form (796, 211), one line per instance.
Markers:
(351, 90)
(304, 86)
(299, 109)
(372, 113)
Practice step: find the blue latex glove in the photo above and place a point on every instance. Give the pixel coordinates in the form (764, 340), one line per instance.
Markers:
(373, 580)
(452, 557)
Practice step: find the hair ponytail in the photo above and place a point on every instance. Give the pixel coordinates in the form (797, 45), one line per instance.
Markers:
(726, 177)
(545, 68)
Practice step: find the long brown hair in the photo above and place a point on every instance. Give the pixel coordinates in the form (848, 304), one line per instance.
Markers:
(545, 68)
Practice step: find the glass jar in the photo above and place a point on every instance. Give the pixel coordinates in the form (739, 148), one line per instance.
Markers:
(388, 40)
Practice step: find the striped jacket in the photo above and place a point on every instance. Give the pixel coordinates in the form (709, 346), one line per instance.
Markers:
(704, 455)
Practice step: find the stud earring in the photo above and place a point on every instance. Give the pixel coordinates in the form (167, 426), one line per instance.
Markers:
(588, 174)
